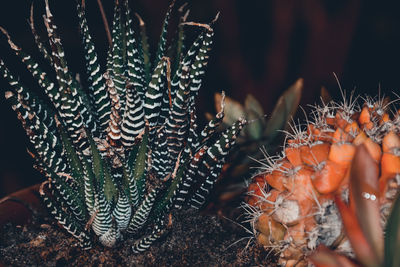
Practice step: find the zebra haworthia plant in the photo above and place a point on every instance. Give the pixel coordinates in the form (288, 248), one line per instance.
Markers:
(120, 154)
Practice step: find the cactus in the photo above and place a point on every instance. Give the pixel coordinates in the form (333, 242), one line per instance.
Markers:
(124, 151)
(371, 246)
(291, 203)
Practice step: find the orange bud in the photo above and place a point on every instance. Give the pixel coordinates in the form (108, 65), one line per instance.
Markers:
(325, 135)
(385, 118)
(256, 187)
(270, 198)
(328, 179)
(340, 122)
(293, 155)
(374, 149)
(390, 141)
(352, 128)
(331, 121)
(311, 129)
(365, 116)
(360, 138)
(314, 154)
(390, 164)
(275, 180)
(342, 153)
(341, 136)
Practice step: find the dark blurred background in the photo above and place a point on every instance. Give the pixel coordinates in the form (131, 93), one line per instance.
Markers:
(261, 47)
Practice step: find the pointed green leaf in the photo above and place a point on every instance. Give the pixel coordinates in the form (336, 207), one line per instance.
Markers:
(144, 52)
(110, 191)
(392, 236)
(252, 104)
(139, 173)
(284, 110)
(162, 44)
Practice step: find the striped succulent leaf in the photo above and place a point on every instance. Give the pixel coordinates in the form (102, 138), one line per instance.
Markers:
(120, 154)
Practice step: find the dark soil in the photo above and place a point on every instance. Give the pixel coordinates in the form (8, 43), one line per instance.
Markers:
(194, 239)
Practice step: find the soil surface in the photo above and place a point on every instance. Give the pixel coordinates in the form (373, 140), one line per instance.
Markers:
(194, 239)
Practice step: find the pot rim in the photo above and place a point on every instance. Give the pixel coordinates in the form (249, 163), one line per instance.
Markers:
(19, 207)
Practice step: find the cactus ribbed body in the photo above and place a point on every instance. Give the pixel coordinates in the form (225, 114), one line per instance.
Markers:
(291, 202)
